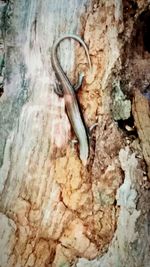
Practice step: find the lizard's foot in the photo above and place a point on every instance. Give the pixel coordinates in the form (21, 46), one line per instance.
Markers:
(79, 83)
(73, 142)
(90, 130)
(58, 90)
(93, 127)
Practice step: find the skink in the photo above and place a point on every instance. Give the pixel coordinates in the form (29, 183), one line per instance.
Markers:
(71, 102)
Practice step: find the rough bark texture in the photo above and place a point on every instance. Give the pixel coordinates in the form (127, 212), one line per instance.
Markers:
(55, 211)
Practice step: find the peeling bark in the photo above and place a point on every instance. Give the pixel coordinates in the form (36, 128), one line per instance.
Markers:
(55, 211)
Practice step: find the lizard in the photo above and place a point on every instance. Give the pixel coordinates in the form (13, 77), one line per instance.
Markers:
(71, 102)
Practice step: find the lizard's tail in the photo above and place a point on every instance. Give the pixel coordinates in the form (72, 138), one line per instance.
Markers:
(78, 39)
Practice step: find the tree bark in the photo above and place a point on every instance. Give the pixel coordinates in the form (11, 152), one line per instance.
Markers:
(53, 210)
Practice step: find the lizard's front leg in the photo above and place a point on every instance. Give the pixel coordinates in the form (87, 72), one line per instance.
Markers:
(79, 82)
(58, 89)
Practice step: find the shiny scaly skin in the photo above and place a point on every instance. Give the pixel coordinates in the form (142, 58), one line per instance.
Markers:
(71, 103)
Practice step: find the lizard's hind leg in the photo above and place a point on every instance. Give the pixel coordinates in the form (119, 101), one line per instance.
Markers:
(92, 128)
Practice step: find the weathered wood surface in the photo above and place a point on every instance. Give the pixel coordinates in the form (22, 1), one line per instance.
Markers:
(53, 209)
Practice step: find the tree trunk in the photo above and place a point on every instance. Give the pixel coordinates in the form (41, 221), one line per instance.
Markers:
(54, 211)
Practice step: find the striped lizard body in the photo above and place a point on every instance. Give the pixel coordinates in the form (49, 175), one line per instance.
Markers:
(71, 103)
